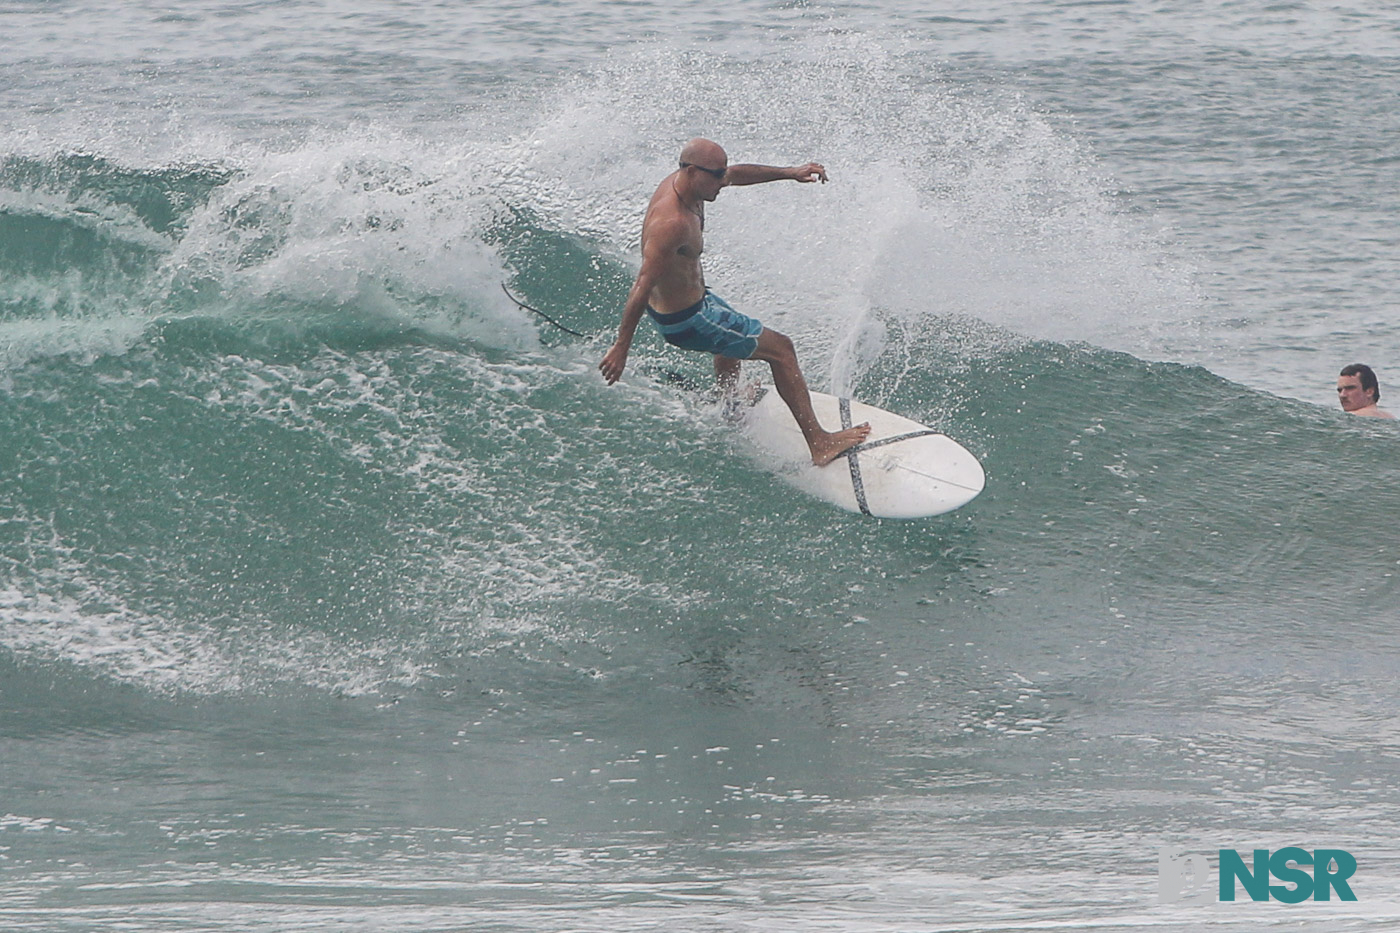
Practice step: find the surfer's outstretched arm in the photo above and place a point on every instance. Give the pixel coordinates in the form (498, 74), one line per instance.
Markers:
(749, 174)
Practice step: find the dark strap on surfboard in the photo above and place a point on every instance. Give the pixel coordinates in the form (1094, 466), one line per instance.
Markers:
(871, 445)
(852, 454)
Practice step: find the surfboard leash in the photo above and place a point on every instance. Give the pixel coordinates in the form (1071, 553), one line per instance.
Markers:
(551, 320)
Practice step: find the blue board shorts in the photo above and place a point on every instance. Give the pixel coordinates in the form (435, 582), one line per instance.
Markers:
(710, 326)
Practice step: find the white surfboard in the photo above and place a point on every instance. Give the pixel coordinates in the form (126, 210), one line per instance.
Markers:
(903, 470)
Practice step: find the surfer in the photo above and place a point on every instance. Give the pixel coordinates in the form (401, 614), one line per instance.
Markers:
(670, 289)
(1359, 391)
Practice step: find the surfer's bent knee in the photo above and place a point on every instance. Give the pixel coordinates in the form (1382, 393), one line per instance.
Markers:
(776, 346)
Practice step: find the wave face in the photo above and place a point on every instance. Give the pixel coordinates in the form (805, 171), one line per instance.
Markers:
(346, 586)
(254, 443)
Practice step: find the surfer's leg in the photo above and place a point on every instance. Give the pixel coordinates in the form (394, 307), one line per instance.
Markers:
(726, 374)
(777, 350)
(727, 381)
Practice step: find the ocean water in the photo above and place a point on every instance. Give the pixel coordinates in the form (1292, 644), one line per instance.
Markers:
(339, 593)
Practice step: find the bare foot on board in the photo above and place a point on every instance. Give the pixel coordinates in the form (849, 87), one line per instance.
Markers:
(832, 444)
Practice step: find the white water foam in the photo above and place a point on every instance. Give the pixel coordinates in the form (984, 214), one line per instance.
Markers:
(376, 223)
(358, 225)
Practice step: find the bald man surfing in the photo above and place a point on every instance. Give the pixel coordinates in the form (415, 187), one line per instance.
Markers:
(670, 289)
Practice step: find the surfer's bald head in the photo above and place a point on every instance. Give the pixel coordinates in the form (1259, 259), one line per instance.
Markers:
(704, 152)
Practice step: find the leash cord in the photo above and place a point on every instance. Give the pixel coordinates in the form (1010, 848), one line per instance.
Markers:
(551, 320)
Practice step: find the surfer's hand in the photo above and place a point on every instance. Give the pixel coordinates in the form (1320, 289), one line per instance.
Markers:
(812, 171)
(614, 362)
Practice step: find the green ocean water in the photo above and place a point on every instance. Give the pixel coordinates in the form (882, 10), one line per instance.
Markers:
(338, 592)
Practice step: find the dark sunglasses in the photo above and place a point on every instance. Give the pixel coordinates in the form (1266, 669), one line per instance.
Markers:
(716, 173)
